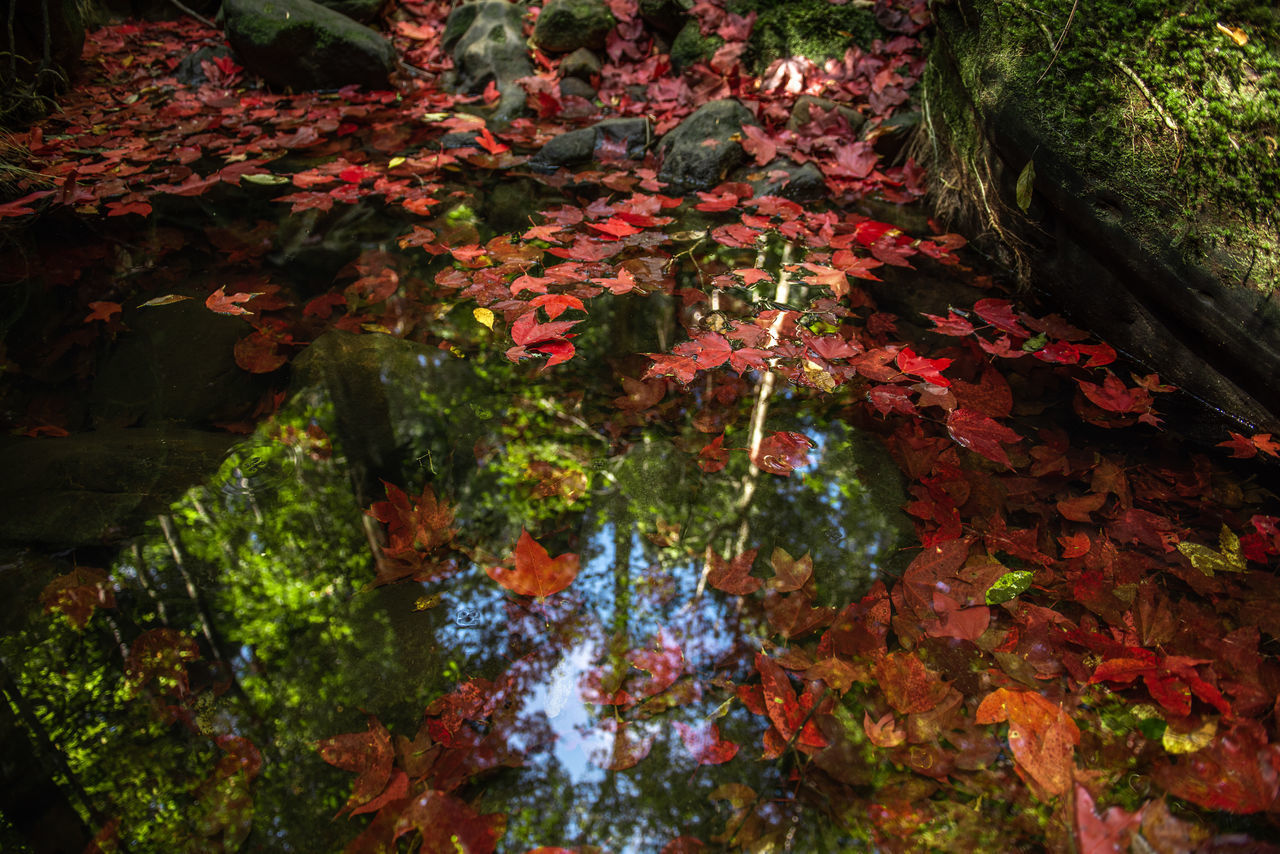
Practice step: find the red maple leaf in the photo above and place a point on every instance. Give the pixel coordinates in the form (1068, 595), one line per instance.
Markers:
(1042, 736)
(368, 754)
(926, 369)
(981, 435)
(706, 744)
(536, 573)
(220, 302)
(782, 452)
(418, 525)
(714, 456)
(733, 576)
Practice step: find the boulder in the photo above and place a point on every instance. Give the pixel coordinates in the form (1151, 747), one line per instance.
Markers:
(173, 363)
(700, 152)
(582, 63)
(1148, 204)
(665, 16)
(579, 146)
(782, 176)
(190, 72)
(359, 10)
(303, 45)
(90, 487)
(567, 25)
(486, 40)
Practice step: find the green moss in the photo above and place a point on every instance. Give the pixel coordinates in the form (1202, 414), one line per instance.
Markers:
(1154, 102)
(811, 28)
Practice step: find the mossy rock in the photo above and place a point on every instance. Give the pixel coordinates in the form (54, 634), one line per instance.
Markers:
(815, 29)
(1152, 133)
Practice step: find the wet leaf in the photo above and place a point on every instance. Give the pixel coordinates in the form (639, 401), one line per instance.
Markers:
(1041, 735)
(1009, 586)
(1208, 561)
(981, 435)
(536, 573)
(1176, 741)
(733, 576)
(368, 754)
(706, 744)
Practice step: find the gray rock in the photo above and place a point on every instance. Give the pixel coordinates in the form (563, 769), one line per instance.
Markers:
(360, 10)
(573, 87)
(665, 16)
(690, 161)
(786, 178)
(487, 44)
(89, 487)
(303, 45)
(801, 113)
(578, 146)
(190, 72)
(582, 63)
(566, 25)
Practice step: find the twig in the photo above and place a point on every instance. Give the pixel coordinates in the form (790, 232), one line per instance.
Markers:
(193, 13)
(1058, 46)
(1151, 99)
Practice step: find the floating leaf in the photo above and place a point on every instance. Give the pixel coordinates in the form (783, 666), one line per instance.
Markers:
(536, 573)
(1208, 561)
(1009, 585)
(1189, 742)
(483, 316)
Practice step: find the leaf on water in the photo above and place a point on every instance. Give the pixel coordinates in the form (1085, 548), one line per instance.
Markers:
(733, 576)
(167, 299)
(1041, 735)
(981, 435)
(484, 317)
(1227, 559)
(1189, 742)
(536, 573)
(1009, 586)
(706, 745)
(369, 754)
(1026, 184)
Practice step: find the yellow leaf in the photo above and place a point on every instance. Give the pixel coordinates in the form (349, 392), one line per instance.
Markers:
(483, 316)
(1208, 561)
(1237, 35)
(1026, 184)
(1189, 742)
(167, 299)
(395, 161)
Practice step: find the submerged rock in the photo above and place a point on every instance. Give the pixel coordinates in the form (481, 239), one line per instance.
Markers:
(579, 146)
(304, 45)
(90, 487)
(701, 151)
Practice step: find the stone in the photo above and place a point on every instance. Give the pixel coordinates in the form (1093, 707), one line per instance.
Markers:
(782, 176)
(173, 364)
(486, 40)
(576, 147)
(302, 45)
(802, 113)
(572, 87)
(566, 25)
(700, 152)
(665, 16)
(89, 487)
(359, 10)
(1185, 281)
(582, 63)
(690, 46)
(190, 72)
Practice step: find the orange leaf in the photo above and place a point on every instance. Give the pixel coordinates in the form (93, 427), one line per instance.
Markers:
(536, 574)
(1041, 735)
